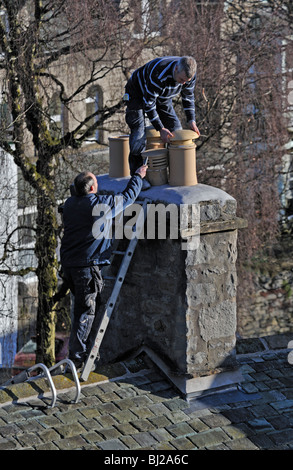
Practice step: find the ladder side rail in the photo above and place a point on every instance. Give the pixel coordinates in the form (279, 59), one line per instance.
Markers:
(108, 311)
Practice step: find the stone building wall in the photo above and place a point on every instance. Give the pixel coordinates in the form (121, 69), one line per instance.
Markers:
(269, 310)
(9, 258)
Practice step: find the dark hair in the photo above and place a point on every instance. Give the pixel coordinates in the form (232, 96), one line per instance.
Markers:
(188, 65)
(83, 183)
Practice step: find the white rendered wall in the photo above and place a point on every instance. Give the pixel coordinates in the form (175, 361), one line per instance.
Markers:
(8, 284)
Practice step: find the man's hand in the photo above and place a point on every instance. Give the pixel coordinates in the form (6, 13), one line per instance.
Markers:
(165, 135)
(141, 171)
(193, 127)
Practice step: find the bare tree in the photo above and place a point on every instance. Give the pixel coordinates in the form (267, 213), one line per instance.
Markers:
(60, 48)
(241, 106)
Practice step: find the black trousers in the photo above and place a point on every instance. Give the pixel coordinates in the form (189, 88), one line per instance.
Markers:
(86, 284)
(135, 119)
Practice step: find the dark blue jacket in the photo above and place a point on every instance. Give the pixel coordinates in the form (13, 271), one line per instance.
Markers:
(87, 222)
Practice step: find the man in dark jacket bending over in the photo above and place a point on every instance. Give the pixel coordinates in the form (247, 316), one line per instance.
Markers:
(83, 252)
(150, 90)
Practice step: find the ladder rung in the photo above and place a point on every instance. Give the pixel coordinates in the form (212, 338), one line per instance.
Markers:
(117, 252)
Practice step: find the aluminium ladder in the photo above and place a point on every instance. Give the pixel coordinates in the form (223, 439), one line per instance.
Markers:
(110, 305)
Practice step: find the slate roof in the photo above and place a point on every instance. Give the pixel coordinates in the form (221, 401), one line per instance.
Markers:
(132, 406)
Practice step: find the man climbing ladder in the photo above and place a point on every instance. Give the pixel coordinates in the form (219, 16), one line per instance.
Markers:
(83, 254)
(118, 281)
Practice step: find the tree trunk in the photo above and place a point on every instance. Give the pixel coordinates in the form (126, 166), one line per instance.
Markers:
(45, 250)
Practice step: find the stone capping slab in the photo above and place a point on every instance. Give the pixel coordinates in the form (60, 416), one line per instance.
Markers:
(217, 208)
(166, 194)
(217, 226)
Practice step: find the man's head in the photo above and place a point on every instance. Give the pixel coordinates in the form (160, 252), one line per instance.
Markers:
(85, 183)
(185, 69)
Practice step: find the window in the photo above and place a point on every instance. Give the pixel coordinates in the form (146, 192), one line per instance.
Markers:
(93, 103)
(259, 86)
(58, 117)
(147, 17)
(287, 71)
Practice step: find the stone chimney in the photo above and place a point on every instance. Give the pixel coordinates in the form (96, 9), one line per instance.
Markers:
(178, 300)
